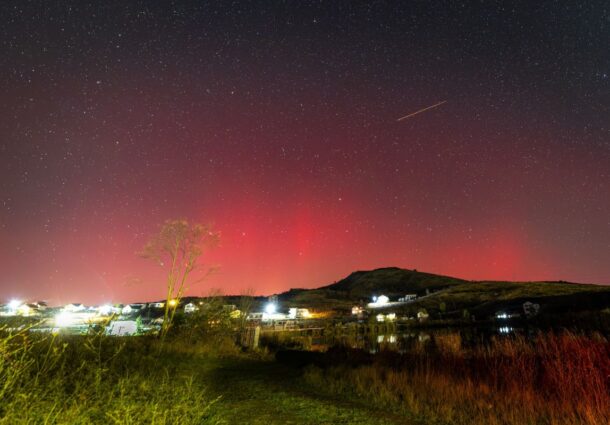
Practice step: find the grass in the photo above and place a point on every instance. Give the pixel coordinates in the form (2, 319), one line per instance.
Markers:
(261, 391)
(136, 380)
(556, 379)
(95, 379)
(203, 378)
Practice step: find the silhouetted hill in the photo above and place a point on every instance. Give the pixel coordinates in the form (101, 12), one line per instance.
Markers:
(391, 281)
(456, 295)
(360, 286)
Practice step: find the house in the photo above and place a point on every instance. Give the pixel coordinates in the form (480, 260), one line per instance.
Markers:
(357, 310)
(160, 304)
(28, 310)
(530, 309)
(41, 305)
(379, 301)
(190, 308)
(254, 316)
(106, 310)
(18, 308)
(509, 312)
(407, 298)
(74, 307)
(132, 309)
(298, 313)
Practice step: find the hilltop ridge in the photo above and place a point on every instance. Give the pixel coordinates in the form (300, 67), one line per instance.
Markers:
(453, 294)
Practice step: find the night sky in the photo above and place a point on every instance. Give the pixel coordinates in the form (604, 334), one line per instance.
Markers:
(277, 122)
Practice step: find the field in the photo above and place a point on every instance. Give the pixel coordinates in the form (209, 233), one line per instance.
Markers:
(554, 379)
(138, 380)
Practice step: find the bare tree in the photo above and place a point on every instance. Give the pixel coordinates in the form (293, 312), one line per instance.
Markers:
(178, 248)
(246, 304)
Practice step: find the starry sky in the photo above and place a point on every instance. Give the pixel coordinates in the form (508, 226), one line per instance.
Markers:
(277, 122)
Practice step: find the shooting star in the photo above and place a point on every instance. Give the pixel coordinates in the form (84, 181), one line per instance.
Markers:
(421, 110)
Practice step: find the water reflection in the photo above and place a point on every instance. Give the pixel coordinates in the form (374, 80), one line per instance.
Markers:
(387, 339)
(403, 340)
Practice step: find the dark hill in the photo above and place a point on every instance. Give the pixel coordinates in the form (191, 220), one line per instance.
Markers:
(391, 281)
(360, 286)
(481, 298)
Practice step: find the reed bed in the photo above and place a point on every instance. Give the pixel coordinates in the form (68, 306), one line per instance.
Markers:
(551, 379)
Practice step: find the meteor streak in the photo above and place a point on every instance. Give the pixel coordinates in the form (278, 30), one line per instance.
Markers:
(421, 110)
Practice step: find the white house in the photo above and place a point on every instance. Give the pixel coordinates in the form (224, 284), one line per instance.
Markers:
(380, 301)
(407, 298)
(298, 313)
(254, 316)
(131, 308)
(190, 308)
(74, 307)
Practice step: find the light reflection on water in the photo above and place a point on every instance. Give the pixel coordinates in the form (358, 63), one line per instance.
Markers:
(448, 339)
(387, 339)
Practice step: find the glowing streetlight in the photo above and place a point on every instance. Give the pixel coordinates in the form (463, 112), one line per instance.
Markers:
(270, 308)
(63, 319)
(13, 305)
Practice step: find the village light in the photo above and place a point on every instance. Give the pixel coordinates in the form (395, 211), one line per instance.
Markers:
(24, 310)
(270, 308)
(63, 319)
(14, 304)
(173, 303)
(105, 310)
(379, 301)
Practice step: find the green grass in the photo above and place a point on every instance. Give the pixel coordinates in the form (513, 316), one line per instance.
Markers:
(257, 391)
(135, 380)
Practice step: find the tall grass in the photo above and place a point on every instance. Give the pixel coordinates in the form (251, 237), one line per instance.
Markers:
(96, 379)
(554, 379)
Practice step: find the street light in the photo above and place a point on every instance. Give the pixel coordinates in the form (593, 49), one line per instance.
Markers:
(14, 304)
(270, 308)
(63, 319)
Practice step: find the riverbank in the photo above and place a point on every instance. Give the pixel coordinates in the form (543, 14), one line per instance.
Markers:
(550, 379)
